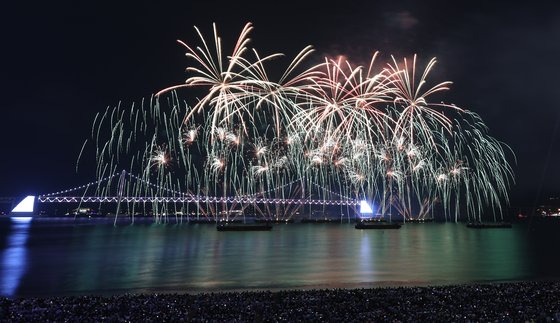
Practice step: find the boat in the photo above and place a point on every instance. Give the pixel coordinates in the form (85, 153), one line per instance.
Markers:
(274, 221)
(244, 227)
(377, 225)
(371, 220)
(420, 220)
(230, 221)
(480, 225)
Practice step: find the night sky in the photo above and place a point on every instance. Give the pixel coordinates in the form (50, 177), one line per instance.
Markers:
(64, 62)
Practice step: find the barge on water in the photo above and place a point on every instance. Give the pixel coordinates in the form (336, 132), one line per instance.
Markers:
(377, 225)
(277, 221)
(244, 227)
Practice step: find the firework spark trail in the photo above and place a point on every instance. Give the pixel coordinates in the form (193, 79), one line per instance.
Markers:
(329, 130)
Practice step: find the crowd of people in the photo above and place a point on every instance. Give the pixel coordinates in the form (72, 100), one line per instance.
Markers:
(523, 301)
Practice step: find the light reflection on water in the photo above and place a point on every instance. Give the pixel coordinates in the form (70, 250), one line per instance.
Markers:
(63, 259)
(14, 256)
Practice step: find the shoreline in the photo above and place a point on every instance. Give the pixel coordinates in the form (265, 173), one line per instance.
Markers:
(505, 301)
(197, 290)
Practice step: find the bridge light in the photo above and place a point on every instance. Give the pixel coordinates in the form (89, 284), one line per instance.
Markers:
(365, 208)
(25, 206)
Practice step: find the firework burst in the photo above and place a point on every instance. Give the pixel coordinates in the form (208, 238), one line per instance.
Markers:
(328, 131)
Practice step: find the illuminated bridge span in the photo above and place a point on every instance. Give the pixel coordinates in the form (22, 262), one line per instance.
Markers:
(71, 196)
(191, 199)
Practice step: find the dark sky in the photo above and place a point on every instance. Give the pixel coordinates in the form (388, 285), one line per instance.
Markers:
(61, 63)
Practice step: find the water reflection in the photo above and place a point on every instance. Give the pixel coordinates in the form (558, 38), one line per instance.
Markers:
(14, 257)
(83, 259)
(365, 256)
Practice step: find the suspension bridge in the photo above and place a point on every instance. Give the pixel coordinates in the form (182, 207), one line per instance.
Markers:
(181, 197)
(122, 194)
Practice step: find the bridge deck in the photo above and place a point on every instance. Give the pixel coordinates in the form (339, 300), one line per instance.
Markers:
(191, 199)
